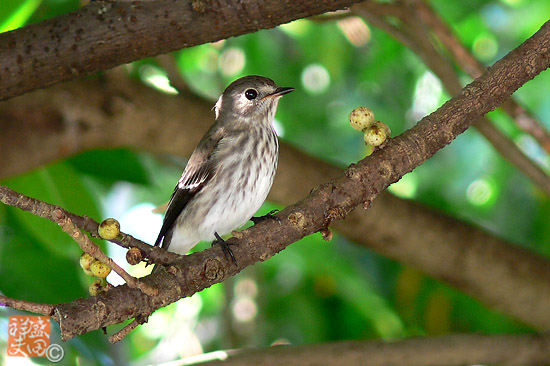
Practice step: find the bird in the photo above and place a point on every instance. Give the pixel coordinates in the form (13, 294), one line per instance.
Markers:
(230, 172)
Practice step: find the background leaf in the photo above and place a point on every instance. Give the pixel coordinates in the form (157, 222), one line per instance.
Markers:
(58, 184)
(111, 165)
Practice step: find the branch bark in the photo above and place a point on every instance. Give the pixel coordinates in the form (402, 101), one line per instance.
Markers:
(104, 34)
(446, 350)
(33, 307)
(414, 34)
(474, 68)
(360, 183)
(71, 223)
(114, 112)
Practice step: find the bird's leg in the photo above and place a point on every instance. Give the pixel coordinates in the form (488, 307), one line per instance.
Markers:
(225, 247)
(268, 216)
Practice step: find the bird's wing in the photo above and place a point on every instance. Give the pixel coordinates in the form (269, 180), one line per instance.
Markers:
(199, 170)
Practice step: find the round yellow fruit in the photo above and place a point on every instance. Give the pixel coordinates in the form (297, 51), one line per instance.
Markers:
(361, 118)
(109, 229)
(85, 262)
(96, 287)
(99, 269)
(376, 134)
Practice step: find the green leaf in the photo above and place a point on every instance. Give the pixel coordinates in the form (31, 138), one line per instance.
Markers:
(31, 272)
(58, 184)
(111, 165)
(15, 13)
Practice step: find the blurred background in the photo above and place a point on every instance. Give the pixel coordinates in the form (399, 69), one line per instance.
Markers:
(313, 291)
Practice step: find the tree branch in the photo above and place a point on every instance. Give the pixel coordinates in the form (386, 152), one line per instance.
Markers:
(91, 248)
(360, 183)
(121, 334)
(114, 112)
(422, 351)
(413, 34)
(70, 223)
(104, 34)
(474, 68)
(33, 307)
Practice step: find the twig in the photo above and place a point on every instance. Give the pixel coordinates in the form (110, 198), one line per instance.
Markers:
(330, 17)
(168, 63)
(513, 154)
(415, 36)
(444, 34)
(33, 307)
(374, 13)
(88, 246)
(121, 334)
(474, 68)
(45, 210)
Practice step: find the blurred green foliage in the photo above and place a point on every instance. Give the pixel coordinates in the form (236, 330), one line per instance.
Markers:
(313, 291)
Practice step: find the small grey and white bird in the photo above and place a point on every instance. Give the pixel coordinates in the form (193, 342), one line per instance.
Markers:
(230, 173)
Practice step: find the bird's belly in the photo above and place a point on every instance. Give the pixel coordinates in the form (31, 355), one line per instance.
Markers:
(231, 209)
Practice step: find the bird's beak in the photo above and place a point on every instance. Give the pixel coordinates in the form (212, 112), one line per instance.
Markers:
(280, 91)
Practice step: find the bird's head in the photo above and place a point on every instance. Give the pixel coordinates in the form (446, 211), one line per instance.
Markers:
(251, 98)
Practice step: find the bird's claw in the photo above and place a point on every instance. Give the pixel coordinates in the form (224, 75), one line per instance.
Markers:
(268, 216)
(225, 247)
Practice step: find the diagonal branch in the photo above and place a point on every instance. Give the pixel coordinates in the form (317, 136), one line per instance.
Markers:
(413, 34)
(361, 183)
(93, 249)
(474, 68)
(118, 112)
(124, 113)
(70, 223)
(105, 34)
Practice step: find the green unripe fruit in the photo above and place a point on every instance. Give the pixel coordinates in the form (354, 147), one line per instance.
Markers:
(99, 269)
(109, 229)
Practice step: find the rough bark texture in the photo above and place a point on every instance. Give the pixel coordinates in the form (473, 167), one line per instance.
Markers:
(360, 183)
(413, 33)
(448, 350)
(117, 112)
(104, 34)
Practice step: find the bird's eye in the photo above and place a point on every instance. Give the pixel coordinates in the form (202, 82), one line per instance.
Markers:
(251, 94)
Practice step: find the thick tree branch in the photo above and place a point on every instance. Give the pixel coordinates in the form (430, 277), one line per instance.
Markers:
(47, 125)
(414, 34)
(360, 183)
(422, 351)
(105, 34)
(474, 68)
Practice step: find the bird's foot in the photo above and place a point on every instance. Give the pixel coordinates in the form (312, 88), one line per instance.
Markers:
(225, 247)
(268, 216)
